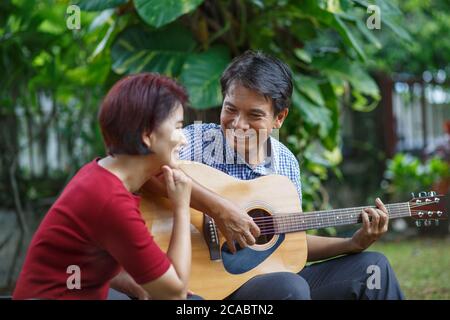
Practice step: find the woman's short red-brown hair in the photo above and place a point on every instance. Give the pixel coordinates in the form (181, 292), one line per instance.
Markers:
(135, 105)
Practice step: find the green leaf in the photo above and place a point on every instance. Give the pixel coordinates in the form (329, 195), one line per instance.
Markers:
(101, 19)
(361, 103)
(310, 88)
(397, 29)
(102, 44)
(99, 5)
(163, 50)
(303, 55)
(333, 20)
(348, 37)
(314, 115)
(158, 13)
(390, 16)
(352, 72)
(368, 34)
(91, 74)
(201, 77)
(361, 81)
(331, 101)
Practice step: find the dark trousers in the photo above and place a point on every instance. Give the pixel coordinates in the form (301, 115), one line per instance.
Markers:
(366, 275)
(343, 278)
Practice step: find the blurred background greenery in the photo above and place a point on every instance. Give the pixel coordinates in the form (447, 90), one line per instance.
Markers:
(370, 114)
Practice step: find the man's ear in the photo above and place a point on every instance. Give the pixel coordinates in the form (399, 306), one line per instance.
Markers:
(279, 118)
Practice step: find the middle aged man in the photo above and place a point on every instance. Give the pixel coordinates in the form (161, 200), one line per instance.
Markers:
(257, 89)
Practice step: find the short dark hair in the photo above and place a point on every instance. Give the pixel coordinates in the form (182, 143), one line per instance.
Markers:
(135, 105)
(263, 73)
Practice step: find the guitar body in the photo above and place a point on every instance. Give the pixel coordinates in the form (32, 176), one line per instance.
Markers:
(217, 273)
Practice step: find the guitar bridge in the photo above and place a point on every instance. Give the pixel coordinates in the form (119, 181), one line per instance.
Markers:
(211, 237)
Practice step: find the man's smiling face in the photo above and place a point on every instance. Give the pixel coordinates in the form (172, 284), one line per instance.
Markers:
(247, 117)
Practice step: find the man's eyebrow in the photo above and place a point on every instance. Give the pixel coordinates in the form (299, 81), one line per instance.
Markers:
(257, 110)
(230, 104)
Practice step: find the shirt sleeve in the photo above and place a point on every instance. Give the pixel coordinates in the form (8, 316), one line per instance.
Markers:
(296, 179)
(293, 171)
(124, 235)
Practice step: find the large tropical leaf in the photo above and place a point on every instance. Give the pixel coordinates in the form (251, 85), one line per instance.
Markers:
(310, 88)
(390, 16)
(201, 75)
(90, 74)
(314, 115)
(163, 50)
(99, 5)
(160, 12)
(313, 9)
(352, 72)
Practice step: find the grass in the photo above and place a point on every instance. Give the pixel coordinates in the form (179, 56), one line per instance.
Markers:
(422, 266)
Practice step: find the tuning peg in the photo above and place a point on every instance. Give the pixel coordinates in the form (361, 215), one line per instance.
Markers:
(422, 194)
(413, 195)
(430, 214)
(439, 213)
(418, 223)
(431, 193)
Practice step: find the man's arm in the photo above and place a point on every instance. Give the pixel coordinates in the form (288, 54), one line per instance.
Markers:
(320, 248)
(231, 220)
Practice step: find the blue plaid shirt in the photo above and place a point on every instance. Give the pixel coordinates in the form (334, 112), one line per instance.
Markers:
(206, 144)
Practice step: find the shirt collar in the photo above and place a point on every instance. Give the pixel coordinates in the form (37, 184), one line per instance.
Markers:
(268, 166)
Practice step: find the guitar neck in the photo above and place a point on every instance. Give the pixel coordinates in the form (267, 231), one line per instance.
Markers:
(285, 223)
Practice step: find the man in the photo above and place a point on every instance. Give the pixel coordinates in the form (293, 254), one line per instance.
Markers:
(257, 90)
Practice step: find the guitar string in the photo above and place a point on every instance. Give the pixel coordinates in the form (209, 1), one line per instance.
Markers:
(393, 212)
(295, 221)
(314, 221)
(323, 213)
(299, 226)
(330, 220)
(311, 218)
(307, 218)
(345, 210)
(328, 212)
(332, 211)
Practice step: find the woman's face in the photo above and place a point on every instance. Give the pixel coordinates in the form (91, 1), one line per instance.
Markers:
(168, 138)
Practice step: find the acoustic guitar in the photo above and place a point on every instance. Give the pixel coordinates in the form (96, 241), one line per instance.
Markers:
(273, 203)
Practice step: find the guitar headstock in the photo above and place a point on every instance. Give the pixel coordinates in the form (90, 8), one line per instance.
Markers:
(427, 208)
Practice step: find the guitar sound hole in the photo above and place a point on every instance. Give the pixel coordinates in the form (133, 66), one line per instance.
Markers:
(265, 223)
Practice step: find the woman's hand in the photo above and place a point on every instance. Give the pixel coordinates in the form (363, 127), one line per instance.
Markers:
(372, 230)
(178, 187)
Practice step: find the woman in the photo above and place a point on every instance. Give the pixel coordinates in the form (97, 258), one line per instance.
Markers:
(93, 238)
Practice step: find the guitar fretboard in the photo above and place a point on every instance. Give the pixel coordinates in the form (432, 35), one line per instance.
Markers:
(285, 223)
